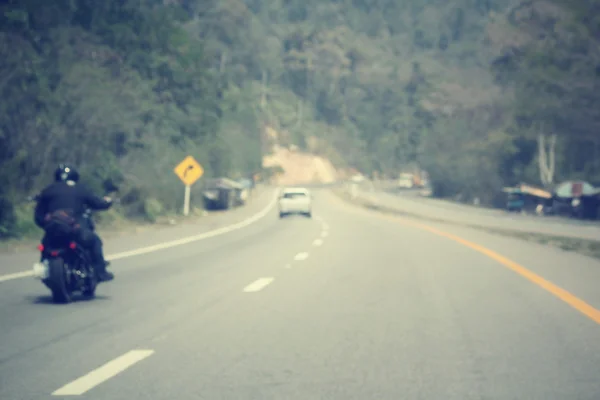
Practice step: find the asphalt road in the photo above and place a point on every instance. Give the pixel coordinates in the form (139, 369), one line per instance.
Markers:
(409, 202)
(347, 305)
(117, 245)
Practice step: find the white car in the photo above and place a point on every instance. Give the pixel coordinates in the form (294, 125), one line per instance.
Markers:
(405, 181)
(295, 201)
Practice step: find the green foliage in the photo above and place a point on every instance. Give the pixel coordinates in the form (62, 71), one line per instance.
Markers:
(461, 88)
(385, 84)
(152, 209)
(127, 89)
(554, 71)
(124, 90)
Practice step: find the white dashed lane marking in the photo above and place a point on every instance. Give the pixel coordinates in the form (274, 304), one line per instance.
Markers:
(103, 373)
(258, 285)
(301, 256)
(261, 283)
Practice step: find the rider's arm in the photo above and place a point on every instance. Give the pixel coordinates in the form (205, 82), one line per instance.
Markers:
(94, 202)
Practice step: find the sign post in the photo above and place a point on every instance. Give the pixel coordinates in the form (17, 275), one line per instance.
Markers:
(186, 200)
(189, 171)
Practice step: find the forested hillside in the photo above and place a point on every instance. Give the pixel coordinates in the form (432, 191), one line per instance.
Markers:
(463, 88)
(122, 89)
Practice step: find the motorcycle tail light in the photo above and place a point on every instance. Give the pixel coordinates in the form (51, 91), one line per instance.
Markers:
(72, 245)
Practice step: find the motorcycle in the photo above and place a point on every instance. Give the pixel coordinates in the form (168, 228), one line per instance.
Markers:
(65, 266)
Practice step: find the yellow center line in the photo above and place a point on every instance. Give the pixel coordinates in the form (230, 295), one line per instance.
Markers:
(572, 300)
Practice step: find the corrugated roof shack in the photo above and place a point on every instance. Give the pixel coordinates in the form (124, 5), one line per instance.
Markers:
(577, 199)
(222, 194)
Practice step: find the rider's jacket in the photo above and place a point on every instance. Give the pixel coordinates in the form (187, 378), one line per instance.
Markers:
(68, 196)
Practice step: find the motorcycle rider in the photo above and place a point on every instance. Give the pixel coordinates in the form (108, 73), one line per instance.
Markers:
(68, 195)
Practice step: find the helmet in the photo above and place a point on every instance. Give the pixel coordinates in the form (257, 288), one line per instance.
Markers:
(66, 172)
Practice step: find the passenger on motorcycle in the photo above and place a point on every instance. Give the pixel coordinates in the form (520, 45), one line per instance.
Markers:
(60, 208)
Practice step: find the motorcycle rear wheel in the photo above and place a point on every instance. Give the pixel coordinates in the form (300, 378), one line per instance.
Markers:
(58, 281)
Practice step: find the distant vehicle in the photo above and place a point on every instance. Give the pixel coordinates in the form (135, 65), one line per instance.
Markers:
(406, 181)
(358, 178)
(426, 191)
(295, 201)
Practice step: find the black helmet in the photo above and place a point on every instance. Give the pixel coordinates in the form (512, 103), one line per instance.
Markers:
(66, 172)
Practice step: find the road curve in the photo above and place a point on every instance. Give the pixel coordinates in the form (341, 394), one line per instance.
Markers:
(408, 202)
(119, 244)
(347, 305)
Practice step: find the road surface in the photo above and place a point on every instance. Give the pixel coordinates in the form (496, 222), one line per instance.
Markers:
(118, 244)
(409, 202)
(347, 305)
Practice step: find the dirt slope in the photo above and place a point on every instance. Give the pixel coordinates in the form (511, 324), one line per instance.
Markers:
(299, 167)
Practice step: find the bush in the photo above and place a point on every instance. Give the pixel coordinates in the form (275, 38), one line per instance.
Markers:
(25, 225)
(7, 219)
(152, 209)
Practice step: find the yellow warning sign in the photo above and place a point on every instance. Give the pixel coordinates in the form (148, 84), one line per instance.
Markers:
(189, 170)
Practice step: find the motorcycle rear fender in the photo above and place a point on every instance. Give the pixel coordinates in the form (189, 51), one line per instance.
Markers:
(52, 252)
